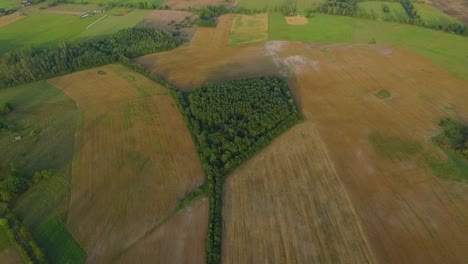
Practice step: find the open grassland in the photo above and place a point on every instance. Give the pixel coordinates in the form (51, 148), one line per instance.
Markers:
(59, 244)
(287, 205)
(7, 4)
(454, 8)
(127, 175)
(123, 2)
(46, 29)
(181, 239)
(45, 119)
(445, 49)
(433, 16)
(301, 5)
(11, 18)
(375, 8)
(8, 253)
(248, 29)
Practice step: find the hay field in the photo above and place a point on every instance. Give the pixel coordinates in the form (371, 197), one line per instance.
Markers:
(8, 19)
(287, 205)
(408, 214)
(181, 239)
(248, 29)
(434, 16)
(296, 20)
(133, 159)
(453, 8)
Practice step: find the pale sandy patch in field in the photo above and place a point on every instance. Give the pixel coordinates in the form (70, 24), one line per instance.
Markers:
(11, 18)
(296, 20)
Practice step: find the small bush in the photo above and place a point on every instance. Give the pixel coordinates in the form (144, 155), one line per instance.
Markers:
(5, 108)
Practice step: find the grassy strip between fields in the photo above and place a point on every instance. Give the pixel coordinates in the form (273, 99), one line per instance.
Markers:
(26, 246)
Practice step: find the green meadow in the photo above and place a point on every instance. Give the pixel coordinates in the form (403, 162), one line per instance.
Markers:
(272, 4)
(445, 49)
(433, 16)
(40, 30)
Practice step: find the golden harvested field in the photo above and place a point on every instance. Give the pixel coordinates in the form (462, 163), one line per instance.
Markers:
(181, 239)
(8, 19)
(287, 205)
(408, 214)
(134, 157)
(248, 29)
(296, 20)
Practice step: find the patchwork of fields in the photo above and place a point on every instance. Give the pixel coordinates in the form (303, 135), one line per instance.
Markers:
(359, 180)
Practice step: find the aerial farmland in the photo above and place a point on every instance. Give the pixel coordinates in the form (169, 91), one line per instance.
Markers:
(233, 131)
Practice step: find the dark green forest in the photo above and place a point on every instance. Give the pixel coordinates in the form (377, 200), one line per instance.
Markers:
(32, 64)
(229, 122)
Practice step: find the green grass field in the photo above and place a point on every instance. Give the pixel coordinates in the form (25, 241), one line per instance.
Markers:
(45, 119)
(5, 241)
(121, 2)
(7, 4)
(45, 29)
(433, 16)
(272, 4)
(447, 50)
(59, 244)
(375, 8)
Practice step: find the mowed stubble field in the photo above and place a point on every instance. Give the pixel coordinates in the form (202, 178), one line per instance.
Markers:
(407, 213)
(134, 158)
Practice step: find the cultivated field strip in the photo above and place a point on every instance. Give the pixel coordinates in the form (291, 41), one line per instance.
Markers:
(287, 205)
(177, 240)
(127, 174)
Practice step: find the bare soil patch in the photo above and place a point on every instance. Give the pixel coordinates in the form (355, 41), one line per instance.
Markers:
(186, 4)
(296, 20)
(11, 18)
(181, 239)
(174, 21)
(134, 157)
(287, 205)
(10, 256)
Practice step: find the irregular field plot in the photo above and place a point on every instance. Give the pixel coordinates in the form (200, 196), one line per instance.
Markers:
(287, 205)
(408, 214)
(296, 20)
(169, 20)
(59, 244)
(445, 49)
(433, 16)
(8, 19)
(272, 4)
(134, 158)
(181, 239)
(247, 29)
(375, 8)
(453, 8)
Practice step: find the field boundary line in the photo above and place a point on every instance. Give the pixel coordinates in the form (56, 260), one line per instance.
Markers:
(96, 21)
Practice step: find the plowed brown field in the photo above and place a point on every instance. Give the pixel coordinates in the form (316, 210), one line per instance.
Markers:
(408, 215)
(134, 158)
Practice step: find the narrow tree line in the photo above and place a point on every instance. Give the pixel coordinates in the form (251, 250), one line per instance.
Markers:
(33, 64)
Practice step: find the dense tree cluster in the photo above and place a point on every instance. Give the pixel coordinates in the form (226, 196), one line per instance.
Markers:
(454, 136)
(27, 65)
(411, 11)
(11, 187)
(208, 14)
(230, 121)
(24, 242)
(339, 7)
